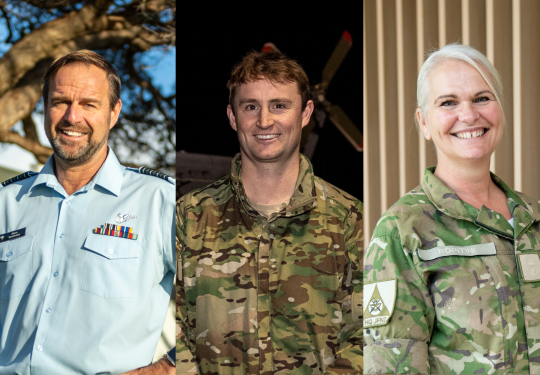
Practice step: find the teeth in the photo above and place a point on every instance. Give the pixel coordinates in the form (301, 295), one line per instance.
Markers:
(466, 135)
(267, 136)
(73, 134)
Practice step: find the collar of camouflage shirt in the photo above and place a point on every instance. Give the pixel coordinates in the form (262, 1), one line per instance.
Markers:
(303, 199)
(448, 201)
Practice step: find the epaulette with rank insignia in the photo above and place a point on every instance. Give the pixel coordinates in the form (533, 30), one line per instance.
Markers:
(151, 172)
(20, 177)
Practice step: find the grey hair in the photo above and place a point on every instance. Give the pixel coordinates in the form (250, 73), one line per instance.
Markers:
(461, 53)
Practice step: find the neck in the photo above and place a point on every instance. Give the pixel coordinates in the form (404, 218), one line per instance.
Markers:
(72, 178)
(473, 184)
(269, 183)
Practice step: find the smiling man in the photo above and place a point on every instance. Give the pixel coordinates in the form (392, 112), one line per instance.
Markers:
(86, 245)
(269, 257)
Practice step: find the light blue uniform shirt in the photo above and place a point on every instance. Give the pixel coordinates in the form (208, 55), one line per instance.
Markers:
(75, 302)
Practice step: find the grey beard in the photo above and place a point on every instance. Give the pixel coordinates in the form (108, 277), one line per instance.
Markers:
(79, 157)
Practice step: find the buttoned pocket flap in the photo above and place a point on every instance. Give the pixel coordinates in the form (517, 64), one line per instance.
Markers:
(10, 250)
(112, 247)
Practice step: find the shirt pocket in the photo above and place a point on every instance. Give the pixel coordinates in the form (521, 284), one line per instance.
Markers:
(15, 267)
(110, 266)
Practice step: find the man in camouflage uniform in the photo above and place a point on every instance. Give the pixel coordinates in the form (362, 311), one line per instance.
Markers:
(450, 289)
(269, 268)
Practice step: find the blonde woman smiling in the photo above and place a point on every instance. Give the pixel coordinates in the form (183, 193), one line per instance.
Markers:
(452, 273)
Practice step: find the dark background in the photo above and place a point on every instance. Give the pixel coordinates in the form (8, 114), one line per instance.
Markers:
(207, 53)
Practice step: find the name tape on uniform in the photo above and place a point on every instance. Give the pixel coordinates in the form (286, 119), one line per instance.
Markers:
(13, 235)
(530, 267)
(379, 302)
(467, 251)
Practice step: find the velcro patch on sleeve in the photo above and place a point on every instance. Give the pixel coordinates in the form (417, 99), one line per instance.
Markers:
(379, 302)
(530, 267)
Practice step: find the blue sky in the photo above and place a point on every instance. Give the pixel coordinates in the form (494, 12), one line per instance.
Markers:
(161, 67)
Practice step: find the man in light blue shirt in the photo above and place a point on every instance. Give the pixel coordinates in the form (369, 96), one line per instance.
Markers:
(86, 245)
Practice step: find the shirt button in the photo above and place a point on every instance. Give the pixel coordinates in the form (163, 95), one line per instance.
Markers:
(111, 251)
(9, 254)
(39, 347)
(48, 310)
(62, 236)
(68, 202)
(55, 274)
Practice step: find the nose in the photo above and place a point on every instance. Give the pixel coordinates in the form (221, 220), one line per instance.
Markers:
(266, 118)
(468, 114)
(73, 114)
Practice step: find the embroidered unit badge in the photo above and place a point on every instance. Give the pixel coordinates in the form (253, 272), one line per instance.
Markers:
(379, 299)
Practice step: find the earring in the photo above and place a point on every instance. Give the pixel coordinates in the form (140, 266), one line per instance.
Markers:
(425, 134)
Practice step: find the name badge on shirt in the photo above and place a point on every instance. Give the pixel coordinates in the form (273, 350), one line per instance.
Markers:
(13, 235)
(467, 251)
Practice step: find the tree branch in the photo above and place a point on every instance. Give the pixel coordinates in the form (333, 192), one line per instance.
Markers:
(51, 4)
(29, 128)
(41, 152)
(38, 45)
(9, 39)
(19, 102)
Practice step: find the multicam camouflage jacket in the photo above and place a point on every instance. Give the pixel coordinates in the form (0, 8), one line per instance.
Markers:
(450, 289)
(281, 295)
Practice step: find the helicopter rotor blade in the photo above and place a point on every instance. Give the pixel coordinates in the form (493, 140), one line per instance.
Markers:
(269, 47)
(346, 126)
(337, 57)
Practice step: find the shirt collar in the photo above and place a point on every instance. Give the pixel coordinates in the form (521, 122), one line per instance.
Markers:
(447, 201)
(303, 198)
(109, 176)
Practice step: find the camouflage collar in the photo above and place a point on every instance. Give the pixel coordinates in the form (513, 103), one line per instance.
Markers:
(302, 200)
(447, 201)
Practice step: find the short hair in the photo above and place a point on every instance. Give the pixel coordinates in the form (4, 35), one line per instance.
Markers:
(463, 53)
(274, 66)
(85, 57)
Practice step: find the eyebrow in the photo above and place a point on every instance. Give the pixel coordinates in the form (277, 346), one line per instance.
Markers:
(84, 100)
(454, 96)
(277, 100)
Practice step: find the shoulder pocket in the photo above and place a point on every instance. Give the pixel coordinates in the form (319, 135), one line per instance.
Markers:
(15, 267)
(110, 266)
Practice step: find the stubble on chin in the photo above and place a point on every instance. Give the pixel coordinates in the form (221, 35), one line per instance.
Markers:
(80, 155)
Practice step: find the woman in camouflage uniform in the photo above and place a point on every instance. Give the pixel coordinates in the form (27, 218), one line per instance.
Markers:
(452, 273)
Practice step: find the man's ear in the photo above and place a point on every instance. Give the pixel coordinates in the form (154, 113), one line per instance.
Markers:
(115, 113)
(308, 111)
(232, 117)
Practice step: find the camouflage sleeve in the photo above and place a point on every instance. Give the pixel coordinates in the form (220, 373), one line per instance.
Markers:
(349, 356)
(399, 315)
(185, 360)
